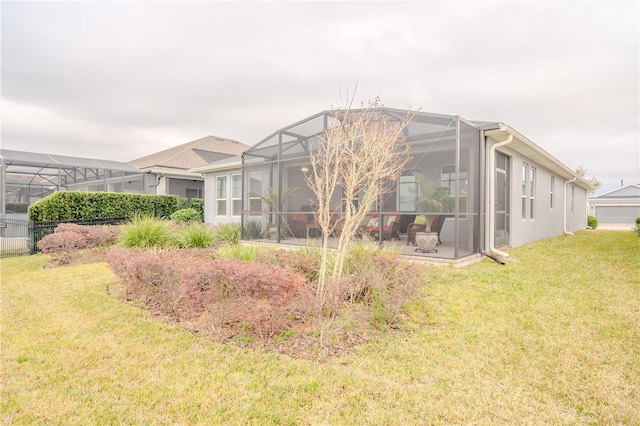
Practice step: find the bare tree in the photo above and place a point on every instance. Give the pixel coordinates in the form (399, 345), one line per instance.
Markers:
(361, 156)
(582, 172)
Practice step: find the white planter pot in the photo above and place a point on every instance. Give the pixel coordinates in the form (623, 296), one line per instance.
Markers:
(427, 242)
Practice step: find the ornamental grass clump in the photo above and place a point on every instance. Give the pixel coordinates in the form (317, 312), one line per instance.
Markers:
(147, 232)
(237, 252)
(197, 236)
(228, 233)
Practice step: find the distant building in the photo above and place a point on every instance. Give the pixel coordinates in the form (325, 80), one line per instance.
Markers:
(621, 205)
(25, 177)
(167, 171)
(502, 189)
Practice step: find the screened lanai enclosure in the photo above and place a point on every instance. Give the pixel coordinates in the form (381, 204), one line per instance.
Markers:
(441, 179)
(27, 176)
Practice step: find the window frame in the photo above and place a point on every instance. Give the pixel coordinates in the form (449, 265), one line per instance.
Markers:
(529, 184)
(220, 198)
(236, 201)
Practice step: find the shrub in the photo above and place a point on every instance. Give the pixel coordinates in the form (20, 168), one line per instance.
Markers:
(186, 215)
(197, 236)
(380, 279)
(306, 262)
(228, 233)
(154, 277)
(637, 226)
(237, 252)
(73, 205)
(266, 297)
(253, 230)
(61, 241)
(248, 297)
(17, 207)
(592, 222)
(146, 231)
(69, 236)
(192, 203)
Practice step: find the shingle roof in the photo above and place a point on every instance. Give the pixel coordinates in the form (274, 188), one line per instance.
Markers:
(191, 154)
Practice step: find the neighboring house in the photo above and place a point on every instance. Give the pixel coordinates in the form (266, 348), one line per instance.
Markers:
(26, 176)
(222, 189)
(621, 205)
(168, 171)
(501, 188)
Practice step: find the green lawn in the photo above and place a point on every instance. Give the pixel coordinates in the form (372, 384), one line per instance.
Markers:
(553, 338)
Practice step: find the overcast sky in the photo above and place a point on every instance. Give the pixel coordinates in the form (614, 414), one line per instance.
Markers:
(120, 80)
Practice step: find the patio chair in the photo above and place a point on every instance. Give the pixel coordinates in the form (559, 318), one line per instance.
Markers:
(390, 230)
(420, 225)
(301, 227)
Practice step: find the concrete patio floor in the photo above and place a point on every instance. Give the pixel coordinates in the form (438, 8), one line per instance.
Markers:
(444, 255)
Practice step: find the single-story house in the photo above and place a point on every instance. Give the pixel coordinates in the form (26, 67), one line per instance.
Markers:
(27, 176)
(501, 189)
(168, 171)
(621, 205)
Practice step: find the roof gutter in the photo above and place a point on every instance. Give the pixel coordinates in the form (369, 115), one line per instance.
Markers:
(564, 207)
(492, 194)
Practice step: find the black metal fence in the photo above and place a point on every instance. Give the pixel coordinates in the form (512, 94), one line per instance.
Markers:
(20, 237)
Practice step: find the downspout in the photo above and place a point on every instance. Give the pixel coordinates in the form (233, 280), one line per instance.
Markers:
(564, 207)
(492, 196)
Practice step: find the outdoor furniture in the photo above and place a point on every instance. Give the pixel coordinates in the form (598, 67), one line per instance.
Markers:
(419, 225)
(302, 227)
(390, 230)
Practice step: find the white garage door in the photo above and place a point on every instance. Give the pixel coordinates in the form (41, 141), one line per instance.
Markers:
(617, 214)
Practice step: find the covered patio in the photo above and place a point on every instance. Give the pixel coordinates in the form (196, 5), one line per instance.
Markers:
(442, 178)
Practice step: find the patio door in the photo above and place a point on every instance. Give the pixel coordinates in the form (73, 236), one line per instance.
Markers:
(502, 199)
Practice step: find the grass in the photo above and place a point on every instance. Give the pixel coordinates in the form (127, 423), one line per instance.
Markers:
(147, 231)
(551, 339)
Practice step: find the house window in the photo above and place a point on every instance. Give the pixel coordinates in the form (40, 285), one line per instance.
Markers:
(528, 191)
(193, 193)
(532, 192)
(255, 191)
(525, 173)
(573, 198)
(221, 196)
(407, 193)
(236, 195)
(448, 180)
(552, 187)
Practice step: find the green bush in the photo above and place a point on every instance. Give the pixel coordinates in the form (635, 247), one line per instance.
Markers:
(17, 207)
(228, 233)
(197, 236)
(186, 215)
(100, 205)
(638, 226)
(592, 222)
(193, 203)
(147, 232)
(253, 230)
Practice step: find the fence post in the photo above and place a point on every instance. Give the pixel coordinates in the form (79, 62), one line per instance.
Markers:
(32, 238)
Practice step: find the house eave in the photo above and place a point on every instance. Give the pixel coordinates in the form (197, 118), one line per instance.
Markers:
(530, 150)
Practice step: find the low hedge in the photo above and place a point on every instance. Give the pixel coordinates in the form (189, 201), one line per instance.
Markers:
(192, 203)
(17, 207)
(76, 205)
